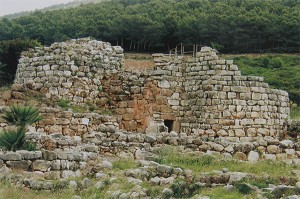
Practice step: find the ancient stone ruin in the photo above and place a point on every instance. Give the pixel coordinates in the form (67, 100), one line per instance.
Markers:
(202, 95)
(202, 104)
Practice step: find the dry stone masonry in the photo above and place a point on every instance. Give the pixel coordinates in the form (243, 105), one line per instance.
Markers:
(200, 105)
(201, 102)
(71, 70)
(202, 95)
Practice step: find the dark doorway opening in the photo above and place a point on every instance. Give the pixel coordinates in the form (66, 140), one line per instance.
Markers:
(169, 124)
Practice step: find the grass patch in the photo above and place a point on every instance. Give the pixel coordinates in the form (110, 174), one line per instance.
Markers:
(220, 192)
(124, 164)
(9, 191)
(152, 190)
(295, 112)
(170, 156)
(65, 104)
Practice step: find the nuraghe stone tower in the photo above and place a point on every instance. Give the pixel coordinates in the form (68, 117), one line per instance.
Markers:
(202, 95)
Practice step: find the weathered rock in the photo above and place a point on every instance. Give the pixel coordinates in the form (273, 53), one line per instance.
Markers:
(150, 138)
(167, 192)
(86, 183)
(41, 165)
(30, 155)
(253, 156)
(11, 156)
(19, 165)
(155, 180)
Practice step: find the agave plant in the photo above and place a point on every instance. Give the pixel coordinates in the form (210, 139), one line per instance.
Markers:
(12, 140)
(22, 116)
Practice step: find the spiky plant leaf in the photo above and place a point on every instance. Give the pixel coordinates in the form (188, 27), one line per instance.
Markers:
(29, 146)
(12, 140)
(22, 115)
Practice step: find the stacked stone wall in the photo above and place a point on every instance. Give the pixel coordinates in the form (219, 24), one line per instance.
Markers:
(202, 95)
(70, 70)
(217, 101)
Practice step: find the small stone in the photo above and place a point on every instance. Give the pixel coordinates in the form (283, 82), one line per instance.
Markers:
(253, 156)
(106, 165)
(150, 138)
(41, 165)
(240, 156)
(236, 177)
(134, 180)
(155, 180)
(86, 183)
(167, 192)
(287, 143)
(168, 180)
(73, 184)
(124, 196)
(272, 149)
(68, 174)
(99, 185)
(100, 176)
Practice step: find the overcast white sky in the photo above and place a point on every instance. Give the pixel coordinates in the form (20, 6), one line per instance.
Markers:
(14, 6)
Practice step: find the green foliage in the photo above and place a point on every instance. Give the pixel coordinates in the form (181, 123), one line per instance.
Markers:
(123, 165)
(295, 112)
(261, 182)
(276, 62)
(29, 146)
(216, 46)
(171, 156)
(281, 71)
(182, 189)
(179, 188)
(63, 103)
(21, 116)
(294, 129)
(239, 26)
(12, 140)
(243, 188)
(220, 192)
(10, 51)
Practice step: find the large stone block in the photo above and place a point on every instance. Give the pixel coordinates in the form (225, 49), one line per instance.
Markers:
(41, 165)
(11, 156)
(19, 165)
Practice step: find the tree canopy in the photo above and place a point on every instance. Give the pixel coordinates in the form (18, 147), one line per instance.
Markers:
(154, 25)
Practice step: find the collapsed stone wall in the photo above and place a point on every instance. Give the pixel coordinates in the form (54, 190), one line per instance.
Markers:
(70, 70)
(203, 95)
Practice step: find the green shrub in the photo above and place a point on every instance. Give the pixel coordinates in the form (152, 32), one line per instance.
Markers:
(63, 103)
(276, 62)
(243, 188)
(29, 146)
(179, 189)
(12, 140)
(22, 116)
(294, 129)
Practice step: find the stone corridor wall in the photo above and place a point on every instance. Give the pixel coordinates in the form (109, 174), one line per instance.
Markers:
(203, 96)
